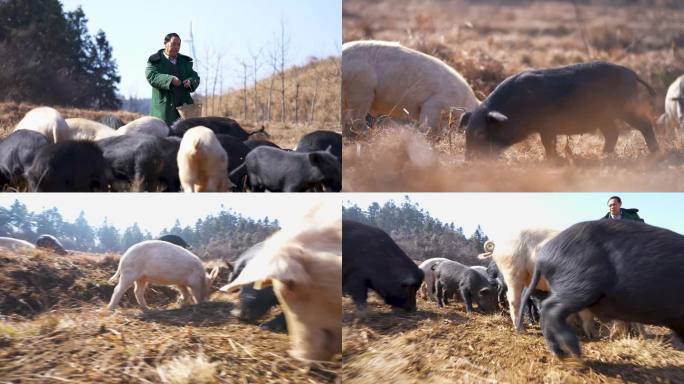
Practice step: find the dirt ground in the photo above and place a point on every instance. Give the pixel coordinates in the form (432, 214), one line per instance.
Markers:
(54, 328)
(487, 41)
(444, 345)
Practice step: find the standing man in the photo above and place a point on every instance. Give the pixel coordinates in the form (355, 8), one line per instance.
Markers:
(172, 79)
(615, 212)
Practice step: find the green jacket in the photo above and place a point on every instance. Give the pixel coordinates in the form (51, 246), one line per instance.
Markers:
(157, 72)
(627, 214)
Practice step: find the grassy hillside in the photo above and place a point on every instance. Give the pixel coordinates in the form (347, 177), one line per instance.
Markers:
(319, 81)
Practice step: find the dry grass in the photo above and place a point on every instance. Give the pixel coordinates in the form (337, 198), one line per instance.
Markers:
(487, 41)
(438, 345)
(73, 338)
(401, 159)
(287, 135)
(319, 81)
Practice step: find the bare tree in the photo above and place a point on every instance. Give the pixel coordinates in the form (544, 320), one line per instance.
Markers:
(295, 72)
(244, 74)
(273, 62)
(207, 71)
(312, 106)
(255, 68)
(282, 45)
(217, 73)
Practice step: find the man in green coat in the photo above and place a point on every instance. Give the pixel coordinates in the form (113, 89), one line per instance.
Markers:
(172, 79)
(615, 211)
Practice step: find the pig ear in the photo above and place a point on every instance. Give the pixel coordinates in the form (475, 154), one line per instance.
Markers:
(264, 268)
(314, 158)
(465, 119)
(496, 117)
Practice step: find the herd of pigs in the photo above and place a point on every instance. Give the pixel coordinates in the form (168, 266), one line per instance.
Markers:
(47, 153)
(614, 270)
(386, 79)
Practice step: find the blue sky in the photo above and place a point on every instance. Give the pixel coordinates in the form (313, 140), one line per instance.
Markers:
(501, 215)
(156, 211)
(136, 29)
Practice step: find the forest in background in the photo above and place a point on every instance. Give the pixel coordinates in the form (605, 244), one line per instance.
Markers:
(49, 57)
(419, 234)
(223, 235)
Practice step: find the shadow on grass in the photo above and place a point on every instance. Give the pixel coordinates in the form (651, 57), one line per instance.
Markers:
(205, 314)
(639, 373)
(398, 320)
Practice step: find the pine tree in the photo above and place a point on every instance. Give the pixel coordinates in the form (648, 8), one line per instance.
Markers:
(105, 74)
(83, 234)
(21, 220)
(49, 222)
(48, 57)
(132, 235)
(108, 238)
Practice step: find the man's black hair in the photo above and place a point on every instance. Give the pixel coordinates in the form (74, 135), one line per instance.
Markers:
(616, 198)
(170, 36)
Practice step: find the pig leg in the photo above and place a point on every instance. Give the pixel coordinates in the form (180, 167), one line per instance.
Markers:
(121, 288)
(277, 324)
(557, 332)
(139, 290)
(514, 294)
(610, 136)
(549, 142)
(442, 293)
(196, 292)
(644, 126)
(138, 182)
(187, 187)
(199, 188)
(641, 330)
(588, 325)
(678, 336)
(430, 113)
(359, 294)
(186, 295)
(467, 299)
(423, 291)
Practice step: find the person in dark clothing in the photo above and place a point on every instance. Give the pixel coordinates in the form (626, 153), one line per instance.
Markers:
(615, 212)
(172, 79)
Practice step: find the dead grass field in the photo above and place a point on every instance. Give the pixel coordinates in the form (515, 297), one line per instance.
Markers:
(286, 134)
(487, 41)
(438, 345)
(54, 328)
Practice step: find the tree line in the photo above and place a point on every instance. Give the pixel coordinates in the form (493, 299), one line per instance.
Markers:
(49, 57)
(419, 234)
(222, 235)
